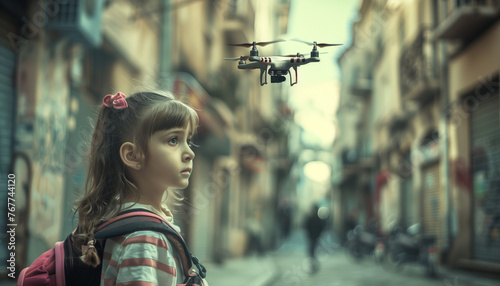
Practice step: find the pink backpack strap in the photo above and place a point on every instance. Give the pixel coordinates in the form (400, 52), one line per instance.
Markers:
(135, 213)
(20, 280)
(59, 253)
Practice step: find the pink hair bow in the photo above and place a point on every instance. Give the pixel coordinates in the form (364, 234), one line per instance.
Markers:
(116, 101)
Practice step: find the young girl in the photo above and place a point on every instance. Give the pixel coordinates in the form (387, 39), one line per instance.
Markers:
(140, 153)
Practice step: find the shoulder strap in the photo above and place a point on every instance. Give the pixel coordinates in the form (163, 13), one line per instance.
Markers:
(141, 219)
(59, 254)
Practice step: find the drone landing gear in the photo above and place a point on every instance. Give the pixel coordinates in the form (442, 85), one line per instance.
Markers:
(296, 76)
(263, 71)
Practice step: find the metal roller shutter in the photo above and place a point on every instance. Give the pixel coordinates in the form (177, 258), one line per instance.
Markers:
(432, 201)
(409, 211)
(7, 99)
(485, 133)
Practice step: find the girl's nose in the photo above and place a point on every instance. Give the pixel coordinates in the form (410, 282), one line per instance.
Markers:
(188, 155)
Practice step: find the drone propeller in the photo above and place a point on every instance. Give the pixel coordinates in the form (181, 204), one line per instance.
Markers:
(242, 58)
(248, 45)
(321, 45)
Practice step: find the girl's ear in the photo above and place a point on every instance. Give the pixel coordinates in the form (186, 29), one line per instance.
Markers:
(130, 156)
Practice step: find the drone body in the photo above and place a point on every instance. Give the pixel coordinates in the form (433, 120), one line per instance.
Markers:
(277, 66)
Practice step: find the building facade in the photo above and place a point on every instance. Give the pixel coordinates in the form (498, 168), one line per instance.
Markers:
(416, 96)
(59, 58)
(243, 156)
(65, 56)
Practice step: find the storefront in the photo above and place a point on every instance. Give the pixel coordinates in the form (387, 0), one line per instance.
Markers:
(8, 59)
(485, 144)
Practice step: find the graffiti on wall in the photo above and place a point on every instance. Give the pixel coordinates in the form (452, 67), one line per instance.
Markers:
(22, 168)
(460, 175)
(43, 92)
(486, 184)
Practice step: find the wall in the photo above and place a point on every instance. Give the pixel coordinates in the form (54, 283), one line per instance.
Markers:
(471, 77)
(469, 71)
(43, 104)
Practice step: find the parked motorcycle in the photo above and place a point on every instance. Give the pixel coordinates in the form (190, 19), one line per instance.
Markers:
(411, 247)
(361, 244)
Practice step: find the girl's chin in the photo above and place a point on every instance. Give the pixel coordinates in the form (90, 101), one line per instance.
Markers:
(181, 185)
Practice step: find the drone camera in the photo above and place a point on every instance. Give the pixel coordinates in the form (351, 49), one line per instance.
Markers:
(277, 78)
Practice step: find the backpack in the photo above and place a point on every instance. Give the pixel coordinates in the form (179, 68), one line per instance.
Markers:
(61, 265)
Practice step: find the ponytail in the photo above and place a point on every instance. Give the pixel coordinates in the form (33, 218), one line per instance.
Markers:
(91, 257)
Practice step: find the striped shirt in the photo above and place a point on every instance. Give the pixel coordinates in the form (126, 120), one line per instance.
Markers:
(141, 258)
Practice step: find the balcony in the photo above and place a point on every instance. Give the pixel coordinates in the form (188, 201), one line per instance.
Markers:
(399, 122)
(238, 21)
(355, 163)
(419, 79)
(361, 79)
(465, 19)
(362, 86)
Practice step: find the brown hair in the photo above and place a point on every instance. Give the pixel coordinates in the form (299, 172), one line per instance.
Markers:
(107, 183)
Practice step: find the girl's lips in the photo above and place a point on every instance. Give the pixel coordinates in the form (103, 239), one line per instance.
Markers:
(186, 171)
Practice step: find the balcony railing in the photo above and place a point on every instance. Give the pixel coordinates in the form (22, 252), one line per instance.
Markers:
(355, 165)
(362, 86)
(361, 81)
(465, 19)
(419, 78)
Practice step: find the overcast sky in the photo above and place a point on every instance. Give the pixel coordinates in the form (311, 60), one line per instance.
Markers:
(315, 97)
(324, 21)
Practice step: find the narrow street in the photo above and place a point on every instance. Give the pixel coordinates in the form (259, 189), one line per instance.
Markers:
(337, 269)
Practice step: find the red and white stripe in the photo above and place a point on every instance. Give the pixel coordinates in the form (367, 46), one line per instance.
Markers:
(140, 258)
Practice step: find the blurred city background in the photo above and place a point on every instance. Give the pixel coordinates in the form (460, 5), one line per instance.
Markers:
(400, 125)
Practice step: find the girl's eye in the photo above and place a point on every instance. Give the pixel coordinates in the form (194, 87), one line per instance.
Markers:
(173, 141)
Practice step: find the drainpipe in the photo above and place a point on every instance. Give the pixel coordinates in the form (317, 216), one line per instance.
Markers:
(444, 127)
(164, 54)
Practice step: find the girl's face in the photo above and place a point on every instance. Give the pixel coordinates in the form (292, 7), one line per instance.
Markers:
(170, 158)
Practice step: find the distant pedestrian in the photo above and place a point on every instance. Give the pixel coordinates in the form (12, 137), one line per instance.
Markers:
(285, 218)
(314, 226)
(255, 231)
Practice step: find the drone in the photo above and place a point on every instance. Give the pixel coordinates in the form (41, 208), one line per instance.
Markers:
(279, 65)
